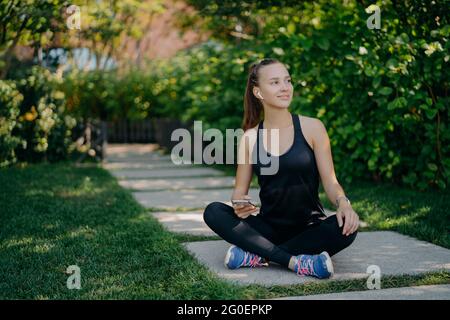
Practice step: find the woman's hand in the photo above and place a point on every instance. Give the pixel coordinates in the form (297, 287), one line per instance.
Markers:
(243, 211)
(345, 212)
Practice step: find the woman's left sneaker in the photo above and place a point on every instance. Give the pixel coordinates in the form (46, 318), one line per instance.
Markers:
(318, 265)
(238, 258)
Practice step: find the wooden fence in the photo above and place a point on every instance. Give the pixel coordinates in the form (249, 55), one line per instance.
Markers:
(127, 131)
(96, 133)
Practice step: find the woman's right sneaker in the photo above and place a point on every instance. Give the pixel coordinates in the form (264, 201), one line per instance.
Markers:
(237, 258)
(318, 265)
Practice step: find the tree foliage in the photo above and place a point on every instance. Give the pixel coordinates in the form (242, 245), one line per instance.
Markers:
(382, 94)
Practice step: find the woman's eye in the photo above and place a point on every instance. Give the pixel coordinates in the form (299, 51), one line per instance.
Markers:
(275, 82)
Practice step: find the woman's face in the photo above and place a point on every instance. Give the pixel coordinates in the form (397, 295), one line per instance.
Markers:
(274, 86)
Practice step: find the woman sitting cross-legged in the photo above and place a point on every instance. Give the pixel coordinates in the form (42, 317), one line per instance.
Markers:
(291, 227)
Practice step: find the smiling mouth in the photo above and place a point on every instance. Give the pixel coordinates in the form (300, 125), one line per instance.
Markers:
(285, 97)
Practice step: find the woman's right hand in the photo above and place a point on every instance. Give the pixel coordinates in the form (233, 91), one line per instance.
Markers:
(243, 211)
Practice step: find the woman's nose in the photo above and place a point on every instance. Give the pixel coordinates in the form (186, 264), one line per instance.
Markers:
(286, 86)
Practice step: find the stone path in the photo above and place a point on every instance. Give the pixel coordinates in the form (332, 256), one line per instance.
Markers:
(142, 165)
(392, 253)
(157, 183)
(187, 198)
(190, 222)
(432, 292)
(177, 184)
(165, 173)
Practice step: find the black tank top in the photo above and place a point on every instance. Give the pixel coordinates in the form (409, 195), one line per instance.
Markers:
(290, 197)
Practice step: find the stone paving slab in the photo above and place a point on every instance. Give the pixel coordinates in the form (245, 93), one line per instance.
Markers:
(148, 153)
(166, 173)
(154, 165)
(188, 222)
(177, 184)
(172, 200)
(144, 158)
(393, 253)
(135, 148)
(135, 154)
(431, 292)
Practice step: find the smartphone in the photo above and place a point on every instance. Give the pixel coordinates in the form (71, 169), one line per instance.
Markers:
(245, 202)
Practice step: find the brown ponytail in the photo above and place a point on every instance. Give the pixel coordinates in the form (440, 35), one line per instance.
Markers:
(252, 106)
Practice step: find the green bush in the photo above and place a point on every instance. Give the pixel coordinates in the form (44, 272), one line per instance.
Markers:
(107, 95)
(204, 83)
(41, 121)
(382, 94)
(10, 99)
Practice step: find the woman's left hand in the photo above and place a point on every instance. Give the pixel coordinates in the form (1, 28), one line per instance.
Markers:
(351, 219)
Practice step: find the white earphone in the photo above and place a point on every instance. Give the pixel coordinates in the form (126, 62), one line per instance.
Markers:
(259, 94)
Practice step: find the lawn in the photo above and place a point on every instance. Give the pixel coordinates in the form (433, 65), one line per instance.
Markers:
(54, 216)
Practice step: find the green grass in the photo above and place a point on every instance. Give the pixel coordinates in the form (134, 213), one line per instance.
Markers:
(54, 216)
(422, 215)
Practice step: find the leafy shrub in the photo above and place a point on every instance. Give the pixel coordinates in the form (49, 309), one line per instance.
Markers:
(382, 94)
(42, 123)
(10, 99)
(107, 95)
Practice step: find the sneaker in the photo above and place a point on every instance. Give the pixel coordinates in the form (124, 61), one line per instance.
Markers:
(237, 258)
(318, 265)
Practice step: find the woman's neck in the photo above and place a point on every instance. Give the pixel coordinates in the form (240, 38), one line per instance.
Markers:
(277, 118)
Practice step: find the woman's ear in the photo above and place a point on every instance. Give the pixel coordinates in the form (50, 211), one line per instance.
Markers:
(256, 92)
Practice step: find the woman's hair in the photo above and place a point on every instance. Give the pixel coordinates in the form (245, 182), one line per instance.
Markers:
(252, 106)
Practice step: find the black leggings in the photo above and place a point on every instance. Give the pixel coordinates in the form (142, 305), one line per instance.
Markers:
(256, 235)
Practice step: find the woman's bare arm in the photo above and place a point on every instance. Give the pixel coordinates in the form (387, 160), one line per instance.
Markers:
(244, 169)
(324, 159)
(244, 174)
(333, 190)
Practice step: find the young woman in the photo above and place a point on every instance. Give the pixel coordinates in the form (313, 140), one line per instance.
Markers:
(291, 228)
